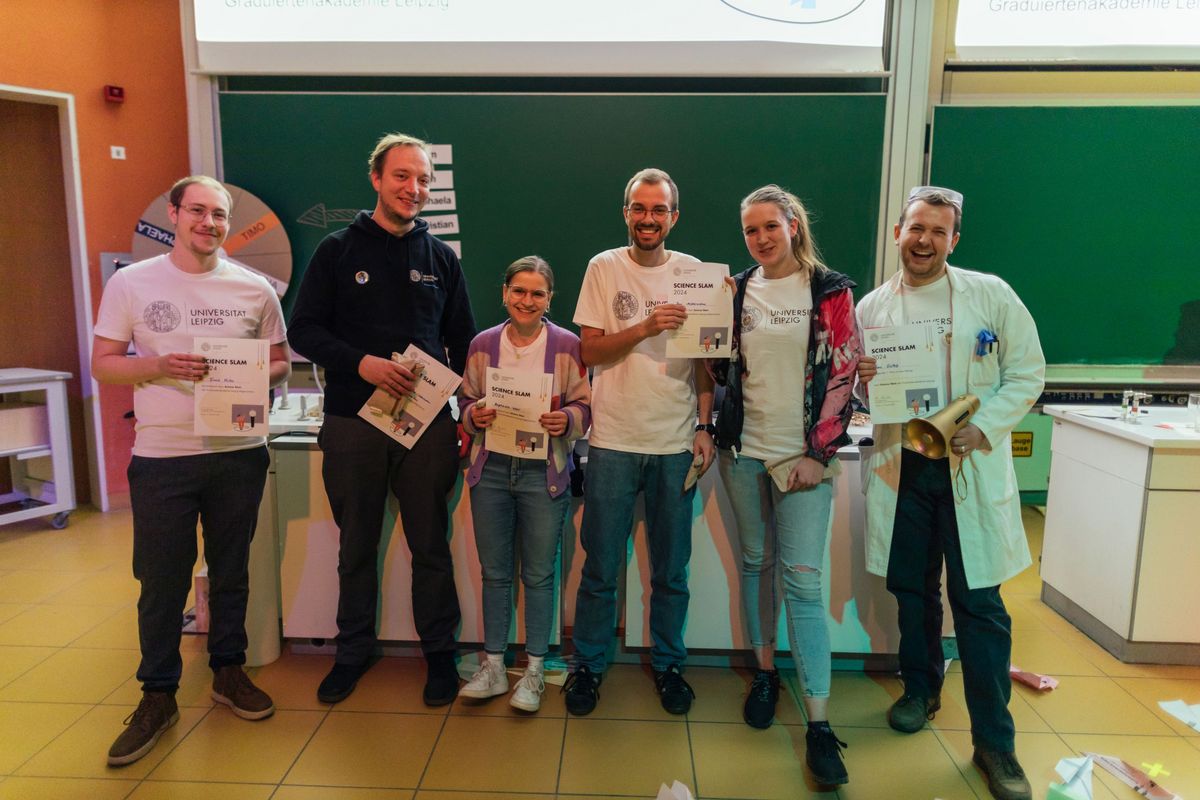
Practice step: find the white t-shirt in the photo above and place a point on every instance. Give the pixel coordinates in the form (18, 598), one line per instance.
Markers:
(527, 357)
(644, 402)
(930, 303)
(161, 309)
(776, 322)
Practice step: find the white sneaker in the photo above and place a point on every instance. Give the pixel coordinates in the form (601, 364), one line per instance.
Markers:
(528, 694)
(489, 680)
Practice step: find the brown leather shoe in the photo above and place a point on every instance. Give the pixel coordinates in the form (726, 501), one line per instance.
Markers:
(155, 713)
(1005, 778)
(232, 686)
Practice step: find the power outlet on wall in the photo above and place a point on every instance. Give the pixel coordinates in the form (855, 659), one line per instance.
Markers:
(117, 152)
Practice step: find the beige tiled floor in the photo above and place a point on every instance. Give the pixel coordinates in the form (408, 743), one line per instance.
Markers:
(68, 652)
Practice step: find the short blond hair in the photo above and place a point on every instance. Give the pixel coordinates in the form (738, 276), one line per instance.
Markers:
(175, 196)
(389, 141)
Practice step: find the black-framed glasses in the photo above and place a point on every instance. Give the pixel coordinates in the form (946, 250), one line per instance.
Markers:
(638, 211)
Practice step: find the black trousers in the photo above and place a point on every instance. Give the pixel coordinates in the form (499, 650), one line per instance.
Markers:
(925, 533)
(361, 465)
(169, 495)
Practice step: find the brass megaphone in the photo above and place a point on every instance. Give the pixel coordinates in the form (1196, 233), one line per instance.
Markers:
(931, 437)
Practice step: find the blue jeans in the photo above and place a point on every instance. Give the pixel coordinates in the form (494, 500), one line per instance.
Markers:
(783, 532)
(612, 481)
(511, 503)
(222, 492)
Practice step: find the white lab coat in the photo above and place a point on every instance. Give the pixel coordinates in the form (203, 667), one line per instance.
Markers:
(1007, 383)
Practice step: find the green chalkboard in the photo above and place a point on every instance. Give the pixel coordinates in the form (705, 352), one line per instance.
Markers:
(1090, 213)
(545, 173)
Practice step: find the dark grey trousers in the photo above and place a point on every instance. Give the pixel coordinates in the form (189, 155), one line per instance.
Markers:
(169, 495)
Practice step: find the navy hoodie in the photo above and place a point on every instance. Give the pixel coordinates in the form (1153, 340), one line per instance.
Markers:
(367, 292)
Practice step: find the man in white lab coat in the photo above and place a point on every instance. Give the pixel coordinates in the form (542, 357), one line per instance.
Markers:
(922, 511)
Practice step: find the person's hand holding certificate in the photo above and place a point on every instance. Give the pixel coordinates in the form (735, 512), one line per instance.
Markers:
(405, 419)
(701, 289)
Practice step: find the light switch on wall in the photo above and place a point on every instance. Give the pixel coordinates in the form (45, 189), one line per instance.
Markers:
(117, 151)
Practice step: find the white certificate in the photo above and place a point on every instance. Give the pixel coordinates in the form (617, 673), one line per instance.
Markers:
(520, 397)
(701, 288)
(231, 400)
(406, 419)
(910, 381)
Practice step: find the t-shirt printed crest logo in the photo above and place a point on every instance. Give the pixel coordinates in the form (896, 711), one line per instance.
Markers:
(414, 275)
(162, 316)
(751, 318)
(624, 305)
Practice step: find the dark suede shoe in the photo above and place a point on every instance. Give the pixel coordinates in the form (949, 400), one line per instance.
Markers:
(674, 692)
(759, 711)
(144, 726)
(340, 682)
(824, 755)
(909, 713)
(582, 688)
(233, 687)
(441, 678)
(1005, 778)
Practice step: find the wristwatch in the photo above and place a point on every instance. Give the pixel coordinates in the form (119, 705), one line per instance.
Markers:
(708, 428)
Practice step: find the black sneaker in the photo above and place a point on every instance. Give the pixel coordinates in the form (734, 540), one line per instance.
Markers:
(674, 692)
(340, 682)
(441, 678)
(824, 755)
(582, 688)
(155, 713)
(909, 713)
(759, 711)
(1005, 778)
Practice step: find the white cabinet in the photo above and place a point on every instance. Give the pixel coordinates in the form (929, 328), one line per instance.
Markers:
(35, 437)
(1122, 542)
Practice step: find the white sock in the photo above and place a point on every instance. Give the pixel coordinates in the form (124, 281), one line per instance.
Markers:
(496, 658)
(536, 663)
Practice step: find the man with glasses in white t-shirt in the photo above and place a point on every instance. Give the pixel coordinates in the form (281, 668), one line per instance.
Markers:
(177, 478)
(644, 438)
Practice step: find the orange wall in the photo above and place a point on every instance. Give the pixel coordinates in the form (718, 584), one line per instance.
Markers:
(78, 46)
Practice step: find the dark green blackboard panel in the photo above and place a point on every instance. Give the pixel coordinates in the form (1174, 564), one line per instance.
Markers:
(1090, 213)
(545, 173)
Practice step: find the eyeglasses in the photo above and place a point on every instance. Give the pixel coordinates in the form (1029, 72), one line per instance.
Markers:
(638, 211)
(199, 213)
(519, 293)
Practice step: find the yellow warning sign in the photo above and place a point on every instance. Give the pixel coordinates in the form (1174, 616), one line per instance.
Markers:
(1022, 444)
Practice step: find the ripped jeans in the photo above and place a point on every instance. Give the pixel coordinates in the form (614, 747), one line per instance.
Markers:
(785, 532)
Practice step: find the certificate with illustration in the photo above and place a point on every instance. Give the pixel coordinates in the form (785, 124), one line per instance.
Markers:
(405, 419)
(702, 290)
(520, 397)
(910, 380)
(231, 399)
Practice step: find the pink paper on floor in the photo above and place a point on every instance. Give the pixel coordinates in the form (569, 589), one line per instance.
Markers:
(1032, 679)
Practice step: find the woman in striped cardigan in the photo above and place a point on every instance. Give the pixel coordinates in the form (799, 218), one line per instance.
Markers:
(521, 501)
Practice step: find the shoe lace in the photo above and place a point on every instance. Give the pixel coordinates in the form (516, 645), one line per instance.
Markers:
(669, 681)
(582, 681)
(762, 686)
(1009, 766)
(143, 716)
(826, 742)
(533, 682)
(488, 671)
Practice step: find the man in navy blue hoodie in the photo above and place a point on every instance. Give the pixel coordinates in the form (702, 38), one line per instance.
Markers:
(370, 290)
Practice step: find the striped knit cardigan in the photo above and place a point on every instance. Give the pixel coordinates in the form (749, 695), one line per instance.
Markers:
(572, 394)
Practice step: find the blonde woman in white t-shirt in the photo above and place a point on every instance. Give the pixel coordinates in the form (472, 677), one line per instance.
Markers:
(783, 417)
